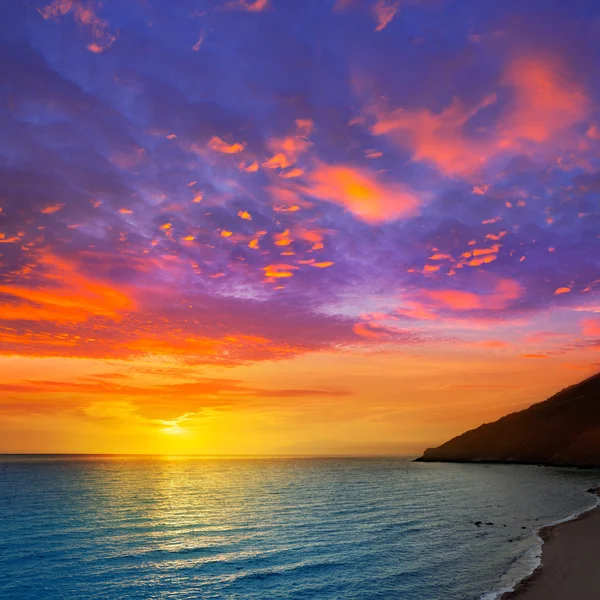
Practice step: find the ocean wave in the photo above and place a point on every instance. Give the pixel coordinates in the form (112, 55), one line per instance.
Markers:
(531, 560)
(286, 570)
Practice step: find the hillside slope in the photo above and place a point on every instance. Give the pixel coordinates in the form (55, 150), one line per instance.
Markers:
(563, 430)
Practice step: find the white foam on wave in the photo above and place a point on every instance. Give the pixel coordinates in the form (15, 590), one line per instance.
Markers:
(531, 560)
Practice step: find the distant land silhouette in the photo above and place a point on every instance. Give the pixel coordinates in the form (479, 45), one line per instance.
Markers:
(562, 431)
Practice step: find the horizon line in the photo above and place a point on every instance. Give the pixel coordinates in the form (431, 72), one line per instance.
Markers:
(205, 455)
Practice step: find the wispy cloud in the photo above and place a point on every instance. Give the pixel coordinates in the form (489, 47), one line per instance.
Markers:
(384, 11)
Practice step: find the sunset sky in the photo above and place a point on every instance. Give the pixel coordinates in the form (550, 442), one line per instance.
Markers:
(279, 226)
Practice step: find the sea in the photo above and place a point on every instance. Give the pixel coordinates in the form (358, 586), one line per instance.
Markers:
(130, 527)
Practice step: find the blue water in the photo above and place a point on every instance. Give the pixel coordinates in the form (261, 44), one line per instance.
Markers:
(289, 529)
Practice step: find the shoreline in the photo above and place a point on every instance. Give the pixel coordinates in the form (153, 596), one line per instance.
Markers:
(491, 461)
(568, 564)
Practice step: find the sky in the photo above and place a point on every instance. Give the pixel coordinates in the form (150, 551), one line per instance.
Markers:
(284, 227)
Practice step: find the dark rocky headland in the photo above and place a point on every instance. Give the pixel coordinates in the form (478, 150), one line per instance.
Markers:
(562, 431)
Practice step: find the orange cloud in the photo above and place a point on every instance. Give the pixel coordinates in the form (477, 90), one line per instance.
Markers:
(323, 265)
(362, 193)
(219, 145)
(476, 262)
(365, 330)
(10, 240)
(383, 12)
(279, 271)
(251, 168)
(431, 268)
(98, 338)
(64, 295)
(287, 150)
(315, 236)
(178, 398)
(52, 208)
(292, 173)
(278, 161)
(440, 256)
(482, 251)
(496, 237)
(562, 290)
(283, 238)
(292, 208)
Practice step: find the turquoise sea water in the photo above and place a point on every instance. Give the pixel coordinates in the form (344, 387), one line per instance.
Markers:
(288, 529)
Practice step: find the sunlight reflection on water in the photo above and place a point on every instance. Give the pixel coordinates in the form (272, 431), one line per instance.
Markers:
(175, 527)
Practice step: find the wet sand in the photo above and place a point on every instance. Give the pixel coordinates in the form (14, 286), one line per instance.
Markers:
(570, 568)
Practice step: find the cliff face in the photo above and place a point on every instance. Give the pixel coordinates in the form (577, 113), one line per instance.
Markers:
(563, 430)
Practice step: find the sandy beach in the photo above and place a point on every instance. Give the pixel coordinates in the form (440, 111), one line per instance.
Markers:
(569, 569)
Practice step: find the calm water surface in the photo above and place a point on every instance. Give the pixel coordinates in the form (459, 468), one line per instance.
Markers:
(286, 529)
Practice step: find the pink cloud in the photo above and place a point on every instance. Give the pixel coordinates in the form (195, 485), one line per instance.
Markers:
(98, 28)
(493, 344)
(546, 102)
(503, 293)
(590, 327)
(545, 105)
(383, 12)
(58, 8)
(437, 138)
(342, 5)
(249, 5)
